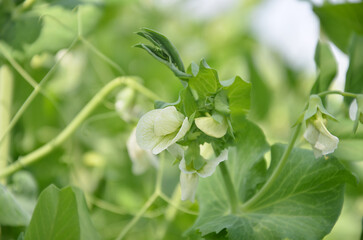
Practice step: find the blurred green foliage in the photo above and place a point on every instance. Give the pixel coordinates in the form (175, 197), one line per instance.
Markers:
(37, 33)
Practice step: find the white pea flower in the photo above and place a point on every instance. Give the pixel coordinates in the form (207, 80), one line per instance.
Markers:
(189, 177)
(321, 140)
(123, 104)
(211, 127)
(141, 159)
(161, 128)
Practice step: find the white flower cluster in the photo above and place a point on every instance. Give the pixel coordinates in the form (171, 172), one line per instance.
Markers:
(160, 129)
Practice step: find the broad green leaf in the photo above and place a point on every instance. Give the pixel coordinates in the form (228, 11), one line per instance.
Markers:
(354, 78)
(239, 95)
(11, 213)
(205, 82)
(325, 62)
(340, 21)
(61, 214)
(349, 150)
(303, 202)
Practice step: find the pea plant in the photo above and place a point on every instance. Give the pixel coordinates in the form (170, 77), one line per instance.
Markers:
(202, 163)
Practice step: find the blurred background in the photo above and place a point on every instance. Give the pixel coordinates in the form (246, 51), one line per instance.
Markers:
(270, 43)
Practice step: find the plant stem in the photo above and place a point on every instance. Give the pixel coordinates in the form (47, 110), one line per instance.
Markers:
(345, 94)
(229, 186)
(6, 92)
(275, 173)
(101, 55)
(76, 122)
(149, 202)
(146, 206)
(32, 96)
(174, 202)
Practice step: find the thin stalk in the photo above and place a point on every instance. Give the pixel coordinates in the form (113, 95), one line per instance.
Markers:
(29, 79)
(345, 94)
(24, 73)
(276, 172)
(142, 211)
(149, 202)
(6, 92)
(71, 128)
(174, 202)
(32, 96)
(229, 187)
(101, 55)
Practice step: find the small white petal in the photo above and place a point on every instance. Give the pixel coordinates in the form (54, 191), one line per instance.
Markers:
(321, 140)
(141, 159)
(148, 139)
(206, 151)
(209, 168)
(145, 135)
(326, 142)
(168, 140)
(188, 185)
(311, 133)
(211, 127)
(167, 121)
(353, 108)
(317, 153)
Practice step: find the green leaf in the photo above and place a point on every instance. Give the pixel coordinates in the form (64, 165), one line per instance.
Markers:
(349, 150)
(189, 103)
(163, 51)
(340, 21)
(354, 78)
(61, 214)
(260, 93)
(303, 202)
(11, 213)
(205, 82)
(325, 62)
(20, 31)
(239, 95)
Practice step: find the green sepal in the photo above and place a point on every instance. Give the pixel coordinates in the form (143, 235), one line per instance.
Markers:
(193, 69)
(316, 104)
(193, 159)
(221, 103)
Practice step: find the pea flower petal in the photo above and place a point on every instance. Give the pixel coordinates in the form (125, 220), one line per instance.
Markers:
(187, 176)
(211, 127)
(321, 140)
(141, 159)
(160, 128)
(188, 185)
